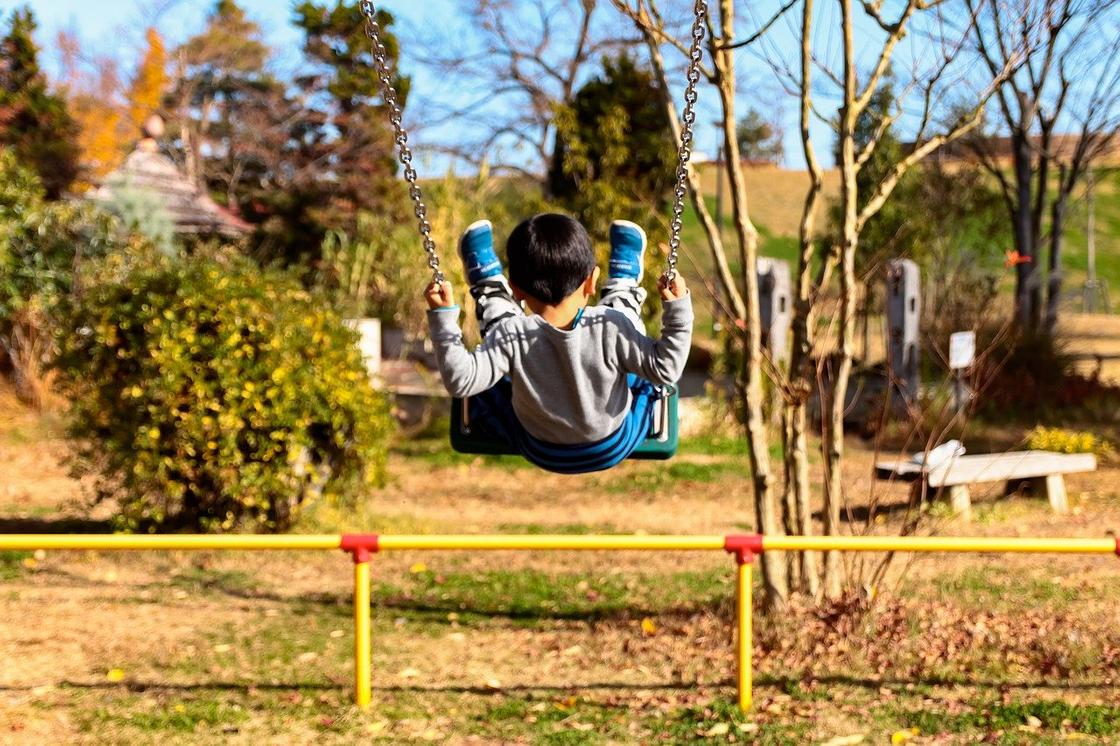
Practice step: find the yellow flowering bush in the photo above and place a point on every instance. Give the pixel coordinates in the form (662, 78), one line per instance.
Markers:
(1069, 441)
(209, 394)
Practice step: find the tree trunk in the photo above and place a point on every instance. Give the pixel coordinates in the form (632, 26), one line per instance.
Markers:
(1054, 289)
(801, 371)
(766, 507)
(842, 359)
(1026, 275)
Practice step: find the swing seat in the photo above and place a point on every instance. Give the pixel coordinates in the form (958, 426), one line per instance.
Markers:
(660, 445)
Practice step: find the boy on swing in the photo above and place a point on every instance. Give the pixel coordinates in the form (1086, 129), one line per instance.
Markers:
(572, 387)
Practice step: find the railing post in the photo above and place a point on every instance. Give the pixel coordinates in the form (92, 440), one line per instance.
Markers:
(361, 548)
(363, 684)
(744, 548)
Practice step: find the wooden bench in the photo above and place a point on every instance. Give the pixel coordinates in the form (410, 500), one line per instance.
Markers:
(1043, 469)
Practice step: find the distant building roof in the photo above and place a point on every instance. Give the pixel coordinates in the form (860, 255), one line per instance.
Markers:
(190, 209)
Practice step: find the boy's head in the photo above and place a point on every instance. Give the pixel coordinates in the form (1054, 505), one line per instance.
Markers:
(550, 257)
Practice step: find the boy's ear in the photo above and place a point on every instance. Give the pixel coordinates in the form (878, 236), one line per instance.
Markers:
(591, 283)
(518, 293)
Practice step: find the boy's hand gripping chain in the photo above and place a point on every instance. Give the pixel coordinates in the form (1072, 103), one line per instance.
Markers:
(684, 155)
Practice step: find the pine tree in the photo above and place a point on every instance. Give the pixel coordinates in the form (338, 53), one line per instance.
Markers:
(221, 75)
(34, 122)
(298, 158)
(145, 95)
(615, 156)
(362, 156)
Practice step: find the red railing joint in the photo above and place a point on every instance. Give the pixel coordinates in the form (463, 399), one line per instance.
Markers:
(744, 546)
(361, 546)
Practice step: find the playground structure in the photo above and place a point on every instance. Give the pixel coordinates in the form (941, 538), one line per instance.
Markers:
(744, 548)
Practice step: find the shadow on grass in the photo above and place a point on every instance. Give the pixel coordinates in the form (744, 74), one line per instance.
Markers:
(784, 683)
(54, 526)
(507, 597)
(438, 611)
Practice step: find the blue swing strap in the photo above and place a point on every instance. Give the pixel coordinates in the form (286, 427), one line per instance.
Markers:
(492, 413)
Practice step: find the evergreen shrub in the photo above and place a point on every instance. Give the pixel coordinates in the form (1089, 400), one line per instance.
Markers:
(209, 394)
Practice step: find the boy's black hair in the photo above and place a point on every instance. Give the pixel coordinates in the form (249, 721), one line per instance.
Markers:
(549, 257)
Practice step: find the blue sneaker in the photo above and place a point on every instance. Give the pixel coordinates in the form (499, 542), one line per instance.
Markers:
(476, 247)
(628, 248)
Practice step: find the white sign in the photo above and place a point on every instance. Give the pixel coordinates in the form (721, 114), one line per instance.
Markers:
(962, 350)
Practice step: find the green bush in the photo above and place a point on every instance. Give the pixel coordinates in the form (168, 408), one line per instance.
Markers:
(44, 246)
(209, 394)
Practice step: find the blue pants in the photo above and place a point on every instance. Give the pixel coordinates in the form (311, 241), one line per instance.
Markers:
(491, 413)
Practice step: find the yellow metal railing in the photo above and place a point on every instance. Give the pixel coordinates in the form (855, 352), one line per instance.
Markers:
(362, 546)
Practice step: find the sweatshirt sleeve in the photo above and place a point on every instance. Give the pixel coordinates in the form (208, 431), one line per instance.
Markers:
(464, 373)
(659, 361)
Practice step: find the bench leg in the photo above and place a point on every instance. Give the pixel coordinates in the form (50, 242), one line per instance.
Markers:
(1054, 488)
(961, 501)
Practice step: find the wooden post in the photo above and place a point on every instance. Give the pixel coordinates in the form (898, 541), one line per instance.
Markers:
(1054, 488)
(961, 501)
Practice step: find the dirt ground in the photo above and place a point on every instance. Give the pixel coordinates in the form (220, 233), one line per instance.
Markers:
(552, 648)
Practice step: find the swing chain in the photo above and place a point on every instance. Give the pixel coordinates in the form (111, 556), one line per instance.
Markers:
(684, 155)
(389, 93)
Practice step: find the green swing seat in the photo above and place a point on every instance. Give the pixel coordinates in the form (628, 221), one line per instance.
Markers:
(662, 443)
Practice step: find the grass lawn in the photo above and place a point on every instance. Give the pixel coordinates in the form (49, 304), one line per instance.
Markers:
(556, 648)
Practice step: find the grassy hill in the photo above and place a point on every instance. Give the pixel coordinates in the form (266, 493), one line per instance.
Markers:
(776, 197)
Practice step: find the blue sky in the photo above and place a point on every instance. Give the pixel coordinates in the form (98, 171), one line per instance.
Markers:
(116, 27)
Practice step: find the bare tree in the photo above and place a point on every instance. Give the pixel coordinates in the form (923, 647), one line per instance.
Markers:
(742, 292)
(1068, 76)
(521, 59)
(934, 75)
(934, 72)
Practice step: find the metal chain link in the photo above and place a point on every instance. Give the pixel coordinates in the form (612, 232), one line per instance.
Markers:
(389, 93)
(684, 155)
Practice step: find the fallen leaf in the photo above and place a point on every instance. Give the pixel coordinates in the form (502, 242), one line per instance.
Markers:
(409, 673)
(223, 648)
(845, 740)
(902, 736)
(114, 675)
(1033, 723)
(337, 633)
(649, 627)
(418, 568)
(307, 657)
(719, 729)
